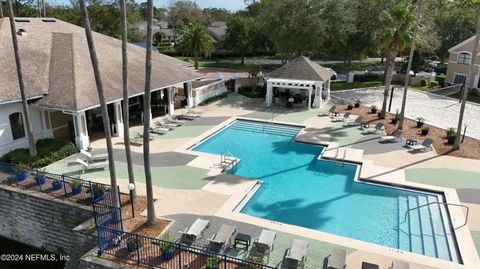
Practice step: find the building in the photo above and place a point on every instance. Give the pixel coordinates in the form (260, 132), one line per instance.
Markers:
(459, 64)
(217, 31)
(60, 84)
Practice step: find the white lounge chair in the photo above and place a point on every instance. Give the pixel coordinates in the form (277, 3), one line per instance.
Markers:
(159, 130)
(162, 124)
(396, 137)
(92, 165)
(219, 240)
(374, 130)
(340, 117)
(190, 116)
(427, 143)
(337, 259)
(400, 265)
(264, 244)
(94, 157)
(332, 112)
(195, 231)
(355, 122)
(297, 254)
(169, 119)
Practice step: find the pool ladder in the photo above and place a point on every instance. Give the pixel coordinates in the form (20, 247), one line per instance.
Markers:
(229, 159)
(338, 161)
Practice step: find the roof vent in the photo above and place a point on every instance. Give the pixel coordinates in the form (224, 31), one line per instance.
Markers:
(22, 20)
(22, 32)
(49, 20)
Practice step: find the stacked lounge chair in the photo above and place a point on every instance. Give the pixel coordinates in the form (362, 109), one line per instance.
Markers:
(426, 144)
(297, 254)
(158, 130)
(355, 122)
(170, 120)
(396, 137)
(190, 235)
(374, 130)
(160, 123)
(337, 259)
(219, 240)
(190, 116)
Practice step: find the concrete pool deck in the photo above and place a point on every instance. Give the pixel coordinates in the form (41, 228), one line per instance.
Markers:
(201, 193)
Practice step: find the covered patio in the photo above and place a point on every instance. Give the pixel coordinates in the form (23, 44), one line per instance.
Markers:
(301, 79)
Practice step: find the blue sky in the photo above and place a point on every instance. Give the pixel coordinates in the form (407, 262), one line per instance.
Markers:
(233, 5)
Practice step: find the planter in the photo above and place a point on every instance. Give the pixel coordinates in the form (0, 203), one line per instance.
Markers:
(419, 124)
(379, 114)
(451, 140)
(57, 185)
(167, 255)
(424, 132)
(349, 107)
(131, 245)
(98, 196)
(40, 180)
(22, 176)
(77, 190)
(373, 110)
(394, 121)
(357, 105)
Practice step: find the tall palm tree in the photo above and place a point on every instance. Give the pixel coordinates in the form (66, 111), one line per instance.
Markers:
(1, 9)
(21, 84)
(397, 21)
(196, 42)
(103, 104)
(471, 74)
(409, 66)
(126, 123)
(39, 6)
(146, 117)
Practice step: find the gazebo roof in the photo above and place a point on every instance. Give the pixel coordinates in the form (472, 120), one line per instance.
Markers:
(301, 68)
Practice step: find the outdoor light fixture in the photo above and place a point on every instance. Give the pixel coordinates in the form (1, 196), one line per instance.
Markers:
(131, 187)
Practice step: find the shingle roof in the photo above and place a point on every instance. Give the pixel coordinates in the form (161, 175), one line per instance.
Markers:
(56, 63)
(301, 68)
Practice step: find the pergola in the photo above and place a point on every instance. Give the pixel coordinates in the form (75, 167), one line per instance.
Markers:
(300, 74)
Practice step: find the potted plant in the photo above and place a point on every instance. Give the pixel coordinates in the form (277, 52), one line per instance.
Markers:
(213, 262)
(420, 122)
(57, 184)
(349, 106)
(396, 119)
(451, 134)
(77, 186)
(373, 109)
(357, 103)
(132, 243)
(21, 174)
(98, 191)
(40, 178)
(425, 130)
(167, 247)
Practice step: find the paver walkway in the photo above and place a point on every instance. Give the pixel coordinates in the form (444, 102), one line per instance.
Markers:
(438, 110)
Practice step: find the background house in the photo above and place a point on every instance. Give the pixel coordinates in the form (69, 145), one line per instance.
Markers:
(459, 64)
(217, 31)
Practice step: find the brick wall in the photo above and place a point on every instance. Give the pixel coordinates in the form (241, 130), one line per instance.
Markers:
(45, 222)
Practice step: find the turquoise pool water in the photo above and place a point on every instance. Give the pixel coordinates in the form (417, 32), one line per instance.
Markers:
(301, 190)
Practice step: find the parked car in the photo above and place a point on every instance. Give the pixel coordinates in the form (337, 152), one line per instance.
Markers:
(334, 75)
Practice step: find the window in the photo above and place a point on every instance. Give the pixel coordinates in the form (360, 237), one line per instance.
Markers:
(464, 58)
(459, 79)
(16, 124)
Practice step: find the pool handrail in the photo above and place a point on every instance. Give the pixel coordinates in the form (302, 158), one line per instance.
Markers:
(437, 202)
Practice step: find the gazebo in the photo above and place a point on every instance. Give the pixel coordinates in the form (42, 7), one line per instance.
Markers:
(300, 74)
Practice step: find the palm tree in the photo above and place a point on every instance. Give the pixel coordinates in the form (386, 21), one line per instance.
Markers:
(196, 42)
(126, 123)
(471, 74)
(21, 84)
(146, 117)
(397, 21)
(1, 9)
(409, 66)
(101, 98)
(39, 6)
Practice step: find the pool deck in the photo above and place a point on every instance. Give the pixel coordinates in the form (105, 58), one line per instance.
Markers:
(215, 195)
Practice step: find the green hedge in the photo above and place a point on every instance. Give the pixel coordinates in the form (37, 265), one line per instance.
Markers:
(213, 99)
(433, 83)
(441, 80)
(367, 77)
(258, 92)
(48, 151)
(423, 82)
(222, 54)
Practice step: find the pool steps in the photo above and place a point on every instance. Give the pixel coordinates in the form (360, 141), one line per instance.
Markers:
(266, 128)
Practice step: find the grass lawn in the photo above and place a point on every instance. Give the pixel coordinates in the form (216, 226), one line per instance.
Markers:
(471, 97)
(342, 85)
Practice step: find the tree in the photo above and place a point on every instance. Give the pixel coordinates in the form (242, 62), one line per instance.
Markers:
(21, 84)
(239, 35)
(182, 13)
(157, 38)
(398, 21)
(217, 14)
(126, 105)
(103, 104)
(146, 118)
(196, 42)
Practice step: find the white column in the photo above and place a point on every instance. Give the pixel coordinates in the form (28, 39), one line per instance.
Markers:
(190, 94)
(171, 106)
(82, 140)
(328, 88)
(318, 95)
(118, 119)
(269, 95)
(310, 98)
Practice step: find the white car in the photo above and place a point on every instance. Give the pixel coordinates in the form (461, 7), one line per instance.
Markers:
(334, 74)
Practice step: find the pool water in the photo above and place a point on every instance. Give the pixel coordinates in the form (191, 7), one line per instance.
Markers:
(301, 190)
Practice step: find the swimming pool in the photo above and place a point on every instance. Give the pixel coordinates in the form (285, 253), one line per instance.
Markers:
(300, 189)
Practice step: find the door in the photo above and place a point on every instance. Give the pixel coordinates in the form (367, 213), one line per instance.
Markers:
(459, 79)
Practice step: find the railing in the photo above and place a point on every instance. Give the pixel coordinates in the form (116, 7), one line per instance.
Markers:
(228, 158)
(442, 203)
(74, 189)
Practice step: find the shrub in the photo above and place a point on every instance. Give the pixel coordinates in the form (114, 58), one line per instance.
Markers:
(441, 80)
(451, 132)
(424, 83)
(48, 151)
(368, 77)
(213, 99)
(433, 83)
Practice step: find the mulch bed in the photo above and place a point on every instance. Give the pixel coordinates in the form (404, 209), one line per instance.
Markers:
(470, 148)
